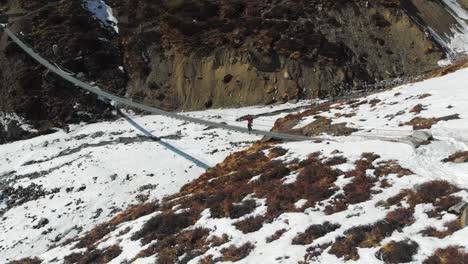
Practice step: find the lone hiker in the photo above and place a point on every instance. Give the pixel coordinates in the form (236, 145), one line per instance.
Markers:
(249, 119)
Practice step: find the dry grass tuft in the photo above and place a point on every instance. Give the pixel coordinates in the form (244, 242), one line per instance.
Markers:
(250, 224)
(458, 157)
(400, 217)
(426, 123)
(451, 227)
(363, 237)
(450, 255)
(170, 249)
(417, 109)
(26, 261)
(314, 232)
(164, 225)
(94, 256)
(336, 160)
(388, 167)
(277, 152)
(398, 252)
(422, 96)
(234, 253)
(102, 230)
(276, 235)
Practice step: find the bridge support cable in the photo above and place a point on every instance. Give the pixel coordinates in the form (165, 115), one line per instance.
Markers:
(124, 101)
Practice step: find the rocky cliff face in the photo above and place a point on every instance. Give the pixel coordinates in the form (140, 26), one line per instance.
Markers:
(197, 54)
(82, 46)
(184, 55)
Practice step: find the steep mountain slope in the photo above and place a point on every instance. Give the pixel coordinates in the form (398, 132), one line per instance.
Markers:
(365, 195)
(57, 186)
(197, 54)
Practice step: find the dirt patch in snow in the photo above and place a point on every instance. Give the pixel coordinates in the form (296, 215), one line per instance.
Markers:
(458, 157)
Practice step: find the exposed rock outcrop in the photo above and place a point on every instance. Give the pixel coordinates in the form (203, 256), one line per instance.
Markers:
(196, 54)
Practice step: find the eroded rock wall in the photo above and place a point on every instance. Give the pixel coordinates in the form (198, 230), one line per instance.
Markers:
(197, 54)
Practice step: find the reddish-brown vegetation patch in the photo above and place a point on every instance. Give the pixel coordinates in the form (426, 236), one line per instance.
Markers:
(190, 244)
(26, 261)
(94, 256)
(323, 125)
(314, 232)
(417, 109)
(250, 224)
(359, 190)
(314, 252)
(276, 235)
(277, 152)
(356, 103)
(234, 253)
(336, 160)
(458, 157)
(320, 125)
(165, 224)
(426, 123)
(374, 102)
(388, 167)
(287, 123)
(422, 96)
(400, 217)
(363, 237)
(102, 230)
(451, 227)
(437, 193)
(398, 252)
(448, 256)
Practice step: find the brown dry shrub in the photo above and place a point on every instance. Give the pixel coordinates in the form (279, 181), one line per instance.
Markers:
(398, 252)
(163, 225)
(216, 241)
(94, 256)
(273, 170)
(276, 235)
(287, 123)
(239, 210)
(422, 96)
(449, 255)
(394, 200)
(451, 227)
(190, 244)
(133, 213)
(313, 232)
(458, 157)
(250, 224)
(277, 152)
(428, 192)
(388, 167)
(206, 260)
(400, 217)
(362, 236)
(417, 109)
(26, 261)
(314, 252)
(336, 160)
(374, 102)
(102, 230)
(426, 123)
(233, 253)
(94, 235)
(359, 190)
(354, 104)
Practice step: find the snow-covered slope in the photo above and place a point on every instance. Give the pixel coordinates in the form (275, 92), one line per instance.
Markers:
(367, 195)
(78, 179)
